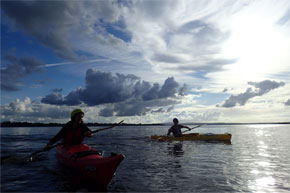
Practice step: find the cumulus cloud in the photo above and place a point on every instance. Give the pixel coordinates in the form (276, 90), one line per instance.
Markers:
(136, 107)
(126, 94)
(17, 69)
(46, 20)
(261, 88)
(285, 18)
(287, 103)
(170, 109)
(200, 116)
(160, 110)
(28, 110)
(54, 98)
(54, 23)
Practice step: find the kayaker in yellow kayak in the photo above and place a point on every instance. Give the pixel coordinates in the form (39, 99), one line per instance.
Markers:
(73, 132)
(175, 129)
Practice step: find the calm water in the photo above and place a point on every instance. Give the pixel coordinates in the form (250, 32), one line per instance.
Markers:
(257, 160)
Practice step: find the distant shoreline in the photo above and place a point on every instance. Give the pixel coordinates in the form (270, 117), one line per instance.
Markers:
(28, 124)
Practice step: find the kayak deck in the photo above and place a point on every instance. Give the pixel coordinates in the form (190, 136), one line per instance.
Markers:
(90, 163)
(195, 136)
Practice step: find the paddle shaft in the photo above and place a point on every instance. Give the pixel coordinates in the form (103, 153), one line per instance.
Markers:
(43, 150)
(108, 127)
(53, 146)
(192, 128)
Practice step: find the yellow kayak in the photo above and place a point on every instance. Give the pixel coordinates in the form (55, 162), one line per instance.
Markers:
(195, 136)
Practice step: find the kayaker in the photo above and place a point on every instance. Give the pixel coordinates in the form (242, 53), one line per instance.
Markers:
(73, 132)
(175, 129)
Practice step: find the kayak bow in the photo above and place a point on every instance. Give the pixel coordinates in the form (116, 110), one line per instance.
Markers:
(90, 163)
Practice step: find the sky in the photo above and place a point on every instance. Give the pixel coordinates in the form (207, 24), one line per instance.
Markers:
(146, 61)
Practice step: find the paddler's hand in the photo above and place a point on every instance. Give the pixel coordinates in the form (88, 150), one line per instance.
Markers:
(88, 134)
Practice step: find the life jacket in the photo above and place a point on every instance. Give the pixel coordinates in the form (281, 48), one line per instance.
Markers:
(176, 130)
(73, 136)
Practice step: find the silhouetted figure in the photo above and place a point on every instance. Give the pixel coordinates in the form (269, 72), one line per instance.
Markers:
(176, 128)
(73, 132)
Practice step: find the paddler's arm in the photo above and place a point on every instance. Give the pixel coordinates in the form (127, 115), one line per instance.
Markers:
(183, 126)
(169, 131)
(57, 137)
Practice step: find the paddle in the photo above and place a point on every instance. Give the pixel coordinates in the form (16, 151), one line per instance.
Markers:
(20, 159)
(108, 127)
(193, 128)
(53, 146)
(30, 157)
(43, 150)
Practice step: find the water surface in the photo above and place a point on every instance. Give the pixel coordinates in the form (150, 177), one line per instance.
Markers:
(257, 160)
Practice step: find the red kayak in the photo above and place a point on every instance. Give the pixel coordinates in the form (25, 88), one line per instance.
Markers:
(86, 160)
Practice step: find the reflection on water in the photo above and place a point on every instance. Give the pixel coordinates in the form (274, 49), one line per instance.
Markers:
(263, 126)
(263, 168)
(175, 149)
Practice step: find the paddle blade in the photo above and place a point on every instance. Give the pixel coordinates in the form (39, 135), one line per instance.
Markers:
(121, 122)
(17, 159)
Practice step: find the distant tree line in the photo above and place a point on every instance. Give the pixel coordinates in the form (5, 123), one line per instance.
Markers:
(28, 124)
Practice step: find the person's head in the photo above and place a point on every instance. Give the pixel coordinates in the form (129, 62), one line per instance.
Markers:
(175, 121)
(77, 115)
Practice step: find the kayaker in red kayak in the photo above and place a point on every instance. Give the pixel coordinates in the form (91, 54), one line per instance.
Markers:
(175, 129)
(73, 132)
